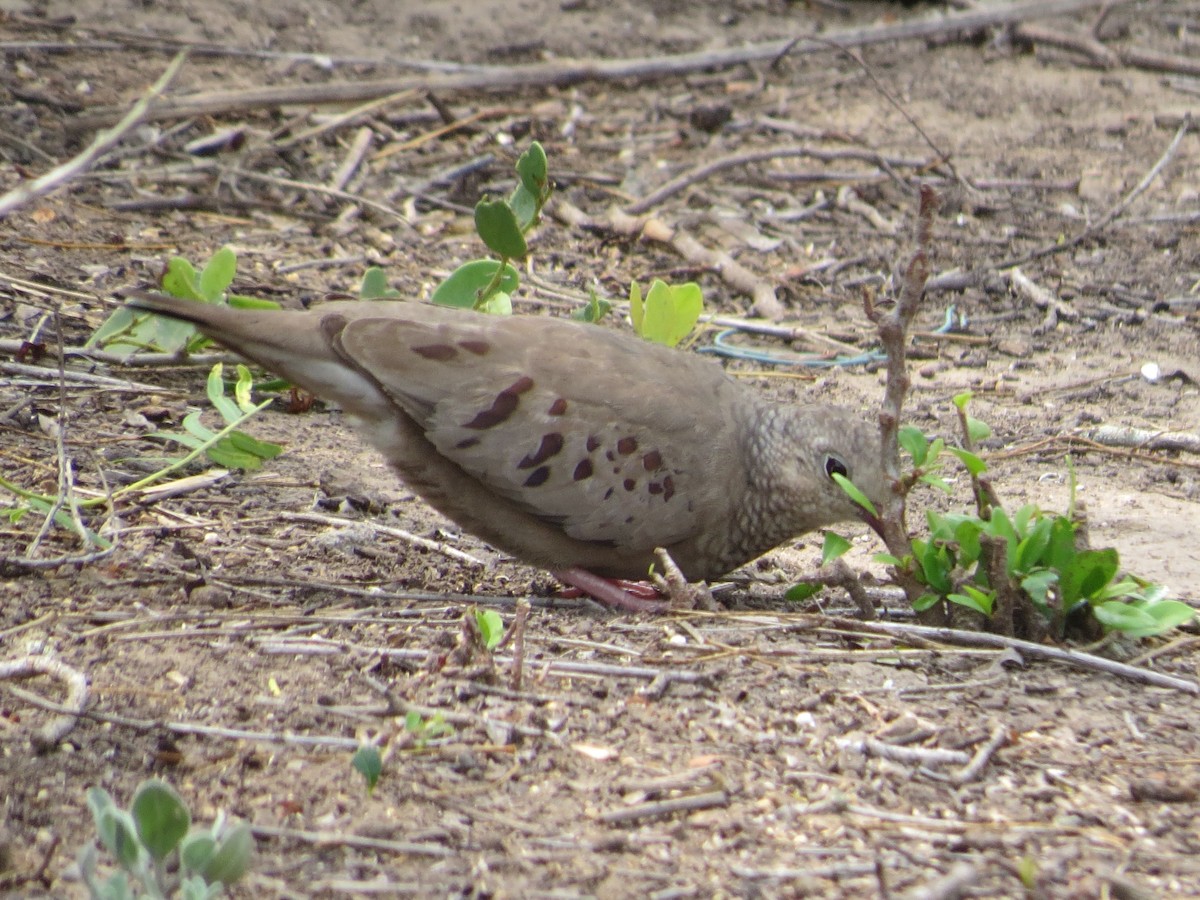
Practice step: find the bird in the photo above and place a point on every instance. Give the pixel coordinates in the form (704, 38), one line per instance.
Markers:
(572, 446)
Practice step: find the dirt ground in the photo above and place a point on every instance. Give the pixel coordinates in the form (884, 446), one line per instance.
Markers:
(247, 634)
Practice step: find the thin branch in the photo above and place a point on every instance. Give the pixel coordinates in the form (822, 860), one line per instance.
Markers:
(100, 145)
(564, 74)
(1029, 649)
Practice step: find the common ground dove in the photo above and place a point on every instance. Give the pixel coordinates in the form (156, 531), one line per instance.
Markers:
(571, 446)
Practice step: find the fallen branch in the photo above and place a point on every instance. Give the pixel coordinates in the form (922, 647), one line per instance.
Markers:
(1076, 658)
(100, 145)
(733, 273)
(77, 694)
(562, 74)
(1144, 439)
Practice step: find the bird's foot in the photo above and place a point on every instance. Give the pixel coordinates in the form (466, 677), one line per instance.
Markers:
(635, 596)
(679, 592)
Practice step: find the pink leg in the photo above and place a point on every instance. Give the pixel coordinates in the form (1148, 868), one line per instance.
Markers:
(607, 591)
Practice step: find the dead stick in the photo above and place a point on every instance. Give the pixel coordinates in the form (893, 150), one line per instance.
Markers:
(561, 74)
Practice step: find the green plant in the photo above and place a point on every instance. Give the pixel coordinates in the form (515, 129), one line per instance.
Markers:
(424, 729)
(368, 762)
(491, 627)
(228, 447)
(488, 284)
(1028, 570)
(128, 330)
(669, 312)
(156, 854)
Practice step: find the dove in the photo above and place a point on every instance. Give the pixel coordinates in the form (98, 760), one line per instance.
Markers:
(571, 446)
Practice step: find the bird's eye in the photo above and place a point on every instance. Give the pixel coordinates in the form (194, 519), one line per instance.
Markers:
(834, 466)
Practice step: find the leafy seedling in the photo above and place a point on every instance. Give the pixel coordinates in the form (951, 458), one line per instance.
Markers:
(368, 762)
(375, 286)
(129, 330)
(425, 730)
(488, 284)
(1031, 559)
(491, 627)
(669, 312)
(156, 851)
(228, 447)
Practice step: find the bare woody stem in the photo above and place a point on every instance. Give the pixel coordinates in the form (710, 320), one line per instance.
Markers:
(893, 326)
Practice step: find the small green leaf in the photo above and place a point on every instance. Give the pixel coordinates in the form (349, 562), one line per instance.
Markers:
(192, 424)
(1037, 584)
(888, 560)
(181, 280)
(232, 858)
(975, 599)
(937, 481)
(499, 304)
(1087, 573)
(1126, 618)
(833, 547)
(238, 450)
(977, 430)
(463, 285)
(973, 463)
(669, 312)
(961, 400)
(161, 817)
(194, 887)
(966, 535)
(217, 275)
(924, 602)
(368, 762)
(497, 225)
(491, 627)
(935, 564)
(595, 310)
(196, 850)
(117, 887)
(241, 390)
(534, 170)
(215, 389)
(525, 208)
(375, 286)
(1033, 546)
(637, 308)
(854, 493)
(1170, 613)
(913, 440)
(800, 592)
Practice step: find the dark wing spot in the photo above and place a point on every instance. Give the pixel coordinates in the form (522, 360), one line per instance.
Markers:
(608, 493)
(592, 443)
(440, 352)
(655, 487)
(652, 461)
(558, 407)
(503, 406)
(668, 488)
(538, 477)
(466, 443)
(629, 484)
(627, 445)
(551, 444)
(479, 348)
(583, 470)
